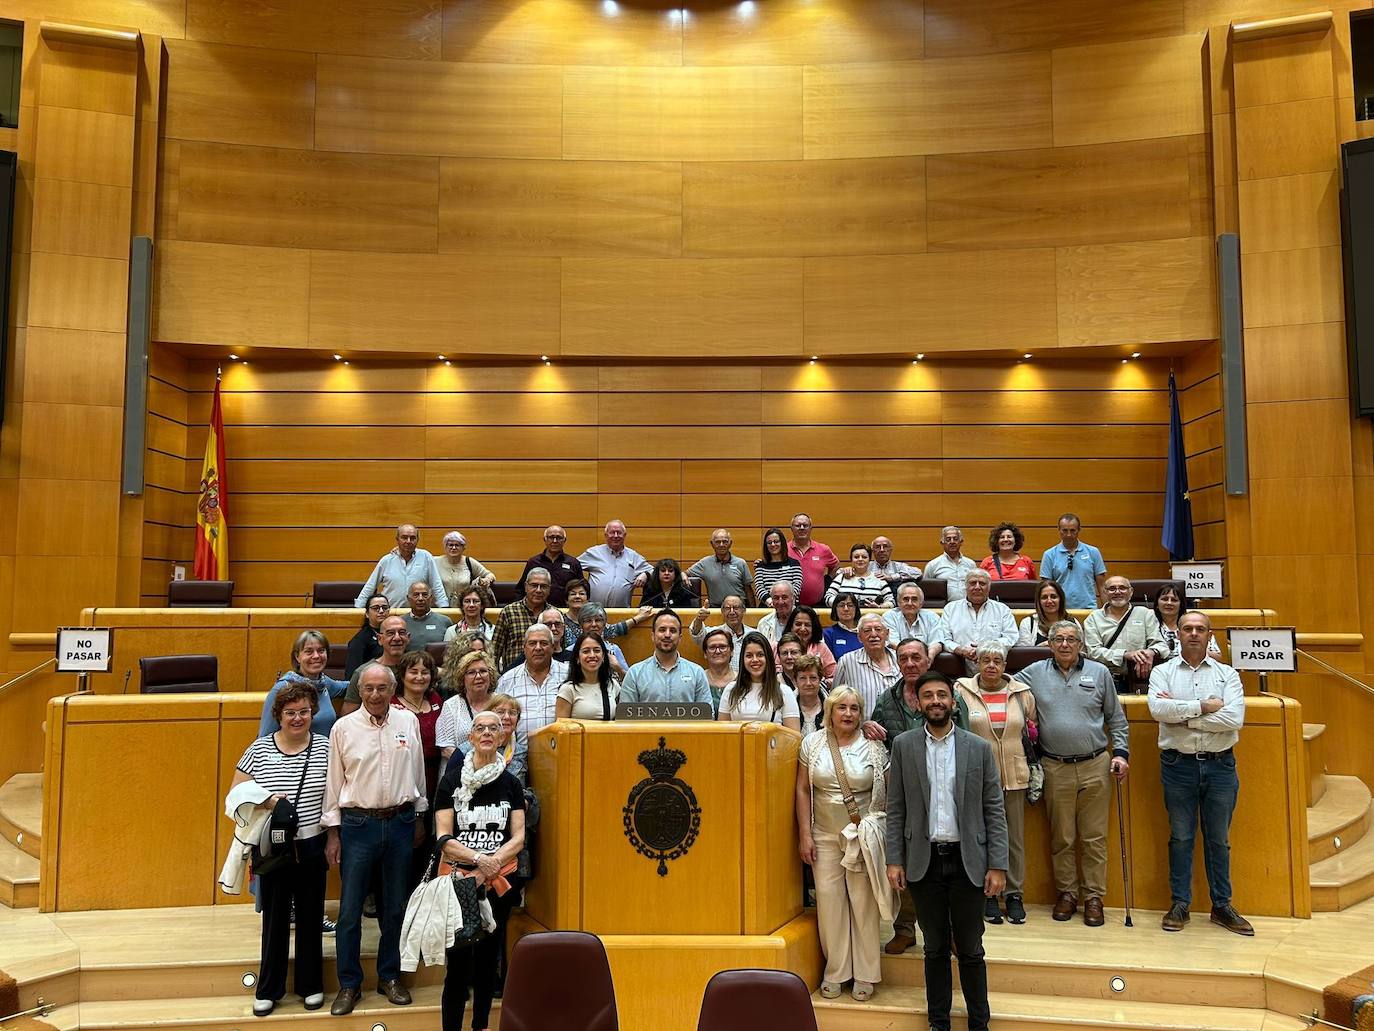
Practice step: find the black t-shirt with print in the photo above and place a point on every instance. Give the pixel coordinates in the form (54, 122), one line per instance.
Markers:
(484, 825)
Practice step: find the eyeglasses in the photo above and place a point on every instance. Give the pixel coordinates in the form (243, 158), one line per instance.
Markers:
(378, 608)
(717, 647)
(296, 714)
(1061, 639)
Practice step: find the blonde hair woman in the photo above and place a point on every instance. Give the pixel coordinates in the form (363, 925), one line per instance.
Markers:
(846, 903)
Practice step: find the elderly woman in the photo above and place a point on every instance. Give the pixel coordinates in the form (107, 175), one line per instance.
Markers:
(999, 709)
(472, 602)
(417, 691)
(591, 619)
(872, 591)
(846, 906)
(366, 644)
(758, 692)
(290, 763)
(1050, 608)
(666, 588)
(806, 671)
(1006, 561)
(718, 646)
(457, 571)
(471, 680)
(788, 650)
(309, 656)
(590, 692)
(805, 625)
(479, 811)
(842, 635)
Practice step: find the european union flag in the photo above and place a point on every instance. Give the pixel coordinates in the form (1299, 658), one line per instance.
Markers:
(1177, 537)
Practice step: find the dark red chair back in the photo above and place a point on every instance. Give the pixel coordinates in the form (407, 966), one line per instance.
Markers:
(559, 979)
(178, 674)
(747, 1000)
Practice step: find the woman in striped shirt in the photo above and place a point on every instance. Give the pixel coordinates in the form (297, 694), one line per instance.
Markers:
(776, 565)
(872, 591)
(998, 708)
(291, 764)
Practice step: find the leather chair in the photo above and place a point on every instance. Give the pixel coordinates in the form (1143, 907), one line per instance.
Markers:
(200, 594)
(436, 652)
(505, 593)
(936, 592)
(559, 979)
(1019, 657)
(950, 665)
(745, 1000)
(178, 674)
(338, 661)
(335, 594)
(1014, 592)
(1144, 592)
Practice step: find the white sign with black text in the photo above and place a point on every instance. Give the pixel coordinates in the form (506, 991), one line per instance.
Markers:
(1199, 579)
(1267, 649)
(84, 649)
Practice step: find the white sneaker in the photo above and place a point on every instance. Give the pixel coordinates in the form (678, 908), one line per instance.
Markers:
(262, 1007)
(314, 1002)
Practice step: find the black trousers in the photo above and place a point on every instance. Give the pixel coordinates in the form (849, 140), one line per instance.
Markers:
(474, 967)
(303, 883)
(947, 901)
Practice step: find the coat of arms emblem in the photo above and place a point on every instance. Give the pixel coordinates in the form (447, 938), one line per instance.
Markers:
(661, 816)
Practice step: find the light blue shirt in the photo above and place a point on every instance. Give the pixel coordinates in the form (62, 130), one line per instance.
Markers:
(647, 681)
(400, 574)
(612, 576)
(1080, 582)
(323, 720)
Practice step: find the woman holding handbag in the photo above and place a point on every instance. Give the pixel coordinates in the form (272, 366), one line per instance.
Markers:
(1002, 712)
(479, 813)
(291, 764)
(840, 780)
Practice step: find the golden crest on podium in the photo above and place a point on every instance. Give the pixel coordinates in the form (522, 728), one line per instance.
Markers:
(661, 815)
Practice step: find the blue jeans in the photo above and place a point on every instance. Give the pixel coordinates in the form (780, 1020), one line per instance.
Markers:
(1199, 789)
(367, 843)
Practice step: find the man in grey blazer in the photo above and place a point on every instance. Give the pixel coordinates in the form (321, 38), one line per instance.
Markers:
(947, 822)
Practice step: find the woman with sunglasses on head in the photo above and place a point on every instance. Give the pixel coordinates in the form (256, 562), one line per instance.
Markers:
(667, 589)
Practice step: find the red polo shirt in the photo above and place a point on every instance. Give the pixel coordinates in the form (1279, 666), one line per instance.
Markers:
(817, 561)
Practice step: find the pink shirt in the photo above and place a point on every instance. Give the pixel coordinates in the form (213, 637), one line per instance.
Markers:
(372, 766)
(817, 562)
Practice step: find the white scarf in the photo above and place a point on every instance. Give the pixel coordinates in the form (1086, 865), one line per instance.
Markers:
(473, 779)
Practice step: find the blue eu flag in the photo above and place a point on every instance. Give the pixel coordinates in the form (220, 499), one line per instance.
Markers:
(1177, 537)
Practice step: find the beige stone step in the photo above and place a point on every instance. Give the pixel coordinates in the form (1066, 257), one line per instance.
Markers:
(18, 877)
(1340, 819)
(1344, 879)
(21, 811)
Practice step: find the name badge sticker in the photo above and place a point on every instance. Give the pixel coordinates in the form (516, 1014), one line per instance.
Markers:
(1087, 682)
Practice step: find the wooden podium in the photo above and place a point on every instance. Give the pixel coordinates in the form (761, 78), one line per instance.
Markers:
(676, 843)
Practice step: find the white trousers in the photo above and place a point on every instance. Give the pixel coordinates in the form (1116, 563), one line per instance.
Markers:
(847, 914)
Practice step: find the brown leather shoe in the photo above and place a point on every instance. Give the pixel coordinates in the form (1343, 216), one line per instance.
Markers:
(1177, 917)
(1065, 907)
(1092, 912)
(1227, 917)
(899, 944)
(345, 1001)
(396, 993)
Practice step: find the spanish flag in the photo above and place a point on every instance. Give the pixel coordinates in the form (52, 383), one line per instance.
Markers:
(212, 517)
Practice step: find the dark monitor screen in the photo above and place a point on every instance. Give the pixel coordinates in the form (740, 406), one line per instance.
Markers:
(1357, 210)
(9, 171)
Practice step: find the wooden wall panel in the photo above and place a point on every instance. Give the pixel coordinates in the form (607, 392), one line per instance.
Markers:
(216, 293)
(905, 302)
(768, 208)
(682, 114)
(559, 32)
(272, 197)
(240, 94)
(801, 32)
(101, 283)
(432, 107)
(563, 208)
(1284, 288)
(928, 107)
(85, 219)
(392, 28)
(1136, 90)
(1285, 139)
(87, 146)
(955, 27)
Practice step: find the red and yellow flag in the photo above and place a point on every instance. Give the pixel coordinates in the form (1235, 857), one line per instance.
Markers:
(212, 518)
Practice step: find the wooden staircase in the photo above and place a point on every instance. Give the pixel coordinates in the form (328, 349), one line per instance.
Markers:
(21, 822)
(1341, 849)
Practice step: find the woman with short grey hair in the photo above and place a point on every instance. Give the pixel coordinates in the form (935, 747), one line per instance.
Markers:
(457, 570)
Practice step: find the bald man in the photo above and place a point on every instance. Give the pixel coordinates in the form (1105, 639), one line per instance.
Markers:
(614, 571)
(722, 572)
(561, 567)
(403, 565)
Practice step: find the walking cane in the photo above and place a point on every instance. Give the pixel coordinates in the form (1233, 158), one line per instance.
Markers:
(1125, 872)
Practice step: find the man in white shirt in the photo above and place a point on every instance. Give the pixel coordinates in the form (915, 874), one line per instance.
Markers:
(951, 565)
(977, 619)
(870, 670)
(909, 619)
(783, 600)
(614, 571)
(400, 567)
(533, 683)
(732, 618)
(1200, 705)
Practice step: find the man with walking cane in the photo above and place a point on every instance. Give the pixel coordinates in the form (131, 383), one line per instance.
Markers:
(1075, 698)
(1200, 706)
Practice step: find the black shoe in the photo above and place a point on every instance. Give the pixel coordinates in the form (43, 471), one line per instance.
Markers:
(345, 1001)
(1016, 909)
(1227, 917)
(992, 912)
(1176, 918)
(395, 992)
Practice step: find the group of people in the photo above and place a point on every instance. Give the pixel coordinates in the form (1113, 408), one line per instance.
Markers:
(923, 776)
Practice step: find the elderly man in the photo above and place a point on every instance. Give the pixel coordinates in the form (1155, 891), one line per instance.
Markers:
(426, 625)
(869, 670)
(1074, 565)
(1123, 637)
(394, 637)
(782, 600)
(402, 566)
(951, 565)
(1077, 707)
(909, 619)
(374, 787)
(1200, 706)
(885, 567)
(561, 567)
(614, 571)
(665, 676)
(818, 562)
(722, 572)
(977, 619)
(508, 639)
(732, 618)
(534, 684)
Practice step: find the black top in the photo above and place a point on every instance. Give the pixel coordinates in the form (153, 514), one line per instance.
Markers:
(680, 598)
(484, 824)
(560, 572)
(364, 647)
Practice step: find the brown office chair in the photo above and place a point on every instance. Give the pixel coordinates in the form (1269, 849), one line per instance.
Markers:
(1014, 592)
(338, 661)
(505, 593)
(178, 674)
(1144, 592)
(745, 1000)
(200, 594)
(335, 594)
(936, 592)
(436, 652)
(559, 979)
(1021, 656)
(950, 665)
